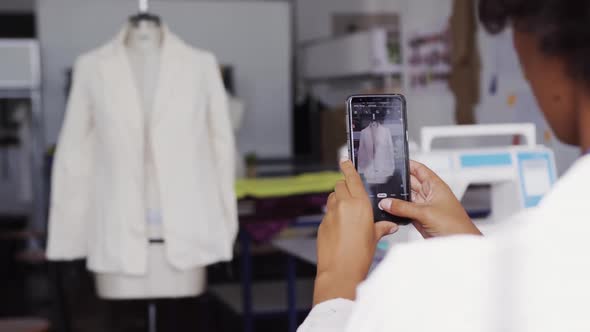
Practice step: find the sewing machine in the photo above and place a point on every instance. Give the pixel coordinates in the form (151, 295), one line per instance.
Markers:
(518, 175)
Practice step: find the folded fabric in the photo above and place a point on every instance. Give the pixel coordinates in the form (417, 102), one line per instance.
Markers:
(264, 232)
(309, 183)
(269, 216)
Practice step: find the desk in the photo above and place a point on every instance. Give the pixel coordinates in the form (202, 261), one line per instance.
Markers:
(304, 249)
(266, 206)
(246, 268)
(24, 325)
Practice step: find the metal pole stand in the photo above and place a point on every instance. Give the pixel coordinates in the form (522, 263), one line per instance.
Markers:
(152, 317)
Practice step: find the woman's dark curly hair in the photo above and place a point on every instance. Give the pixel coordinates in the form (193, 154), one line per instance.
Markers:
(562, 27)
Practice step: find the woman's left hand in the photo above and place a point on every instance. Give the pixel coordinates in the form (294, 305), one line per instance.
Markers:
(347, 239)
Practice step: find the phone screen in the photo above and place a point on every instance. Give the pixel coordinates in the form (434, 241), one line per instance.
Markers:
(378, 146)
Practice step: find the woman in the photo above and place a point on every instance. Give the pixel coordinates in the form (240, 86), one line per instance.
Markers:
(535, 277)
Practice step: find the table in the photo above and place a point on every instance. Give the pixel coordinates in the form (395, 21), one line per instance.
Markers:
(267, 210)
(24, 325)
(246, 268)
(304, 249)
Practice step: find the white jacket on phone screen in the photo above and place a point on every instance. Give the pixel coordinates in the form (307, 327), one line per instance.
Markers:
(376, 154)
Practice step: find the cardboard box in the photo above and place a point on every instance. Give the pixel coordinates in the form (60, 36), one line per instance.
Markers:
(333, 134)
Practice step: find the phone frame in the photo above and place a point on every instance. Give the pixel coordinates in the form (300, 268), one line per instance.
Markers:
(350, 140)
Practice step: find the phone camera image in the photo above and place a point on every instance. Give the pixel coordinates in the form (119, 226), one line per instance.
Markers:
(379, 150)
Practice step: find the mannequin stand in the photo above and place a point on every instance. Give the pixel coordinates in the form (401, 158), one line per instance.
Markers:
(152, 317)
(161, 287)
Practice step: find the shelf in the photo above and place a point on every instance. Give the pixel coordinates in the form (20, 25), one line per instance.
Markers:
(359, 55)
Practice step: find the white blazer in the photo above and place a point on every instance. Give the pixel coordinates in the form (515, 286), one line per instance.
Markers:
(376, 154)
(531, 276)
(97, 205)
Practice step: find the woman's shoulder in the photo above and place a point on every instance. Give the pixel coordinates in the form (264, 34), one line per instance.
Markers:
(457, 246)
(426, 282)
(452, 255)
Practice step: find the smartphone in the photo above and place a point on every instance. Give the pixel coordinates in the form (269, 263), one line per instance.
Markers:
(378, 146)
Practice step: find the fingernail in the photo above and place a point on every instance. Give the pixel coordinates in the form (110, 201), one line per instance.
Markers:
(344, 159)
(385, 204)
(393, 229)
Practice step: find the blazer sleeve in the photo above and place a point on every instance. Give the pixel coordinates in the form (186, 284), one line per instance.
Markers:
(222, 138)
(71, 185)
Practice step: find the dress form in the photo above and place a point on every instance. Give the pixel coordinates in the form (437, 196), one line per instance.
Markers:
(162, 280)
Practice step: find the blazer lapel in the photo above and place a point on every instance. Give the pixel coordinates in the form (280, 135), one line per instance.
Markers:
(170, 71)
(120, 87)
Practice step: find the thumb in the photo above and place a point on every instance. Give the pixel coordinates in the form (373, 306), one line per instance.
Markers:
(400, 208)
(384, 228)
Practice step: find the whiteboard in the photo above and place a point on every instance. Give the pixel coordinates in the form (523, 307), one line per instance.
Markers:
(253, 37)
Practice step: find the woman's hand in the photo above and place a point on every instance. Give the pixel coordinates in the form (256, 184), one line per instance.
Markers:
(434, 209)
(347, 239)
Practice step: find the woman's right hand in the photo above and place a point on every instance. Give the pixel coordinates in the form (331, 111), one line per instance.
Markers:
(434, 210)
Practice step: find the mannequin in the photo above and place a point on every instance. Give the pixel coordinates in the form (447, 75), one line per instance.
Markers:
(162, 280)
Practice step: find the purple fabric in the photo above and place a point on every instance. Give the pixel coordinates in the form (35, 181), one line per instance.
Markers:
(264, 232)
(272, 215)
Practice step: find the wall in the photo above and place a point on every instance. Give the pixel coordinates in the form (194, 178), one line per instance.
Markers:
(254, 37)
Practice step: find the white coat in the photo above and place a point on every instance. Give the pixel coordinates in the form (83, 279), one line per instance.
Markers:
(97, 204)
(532, 276)
(376, 154)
